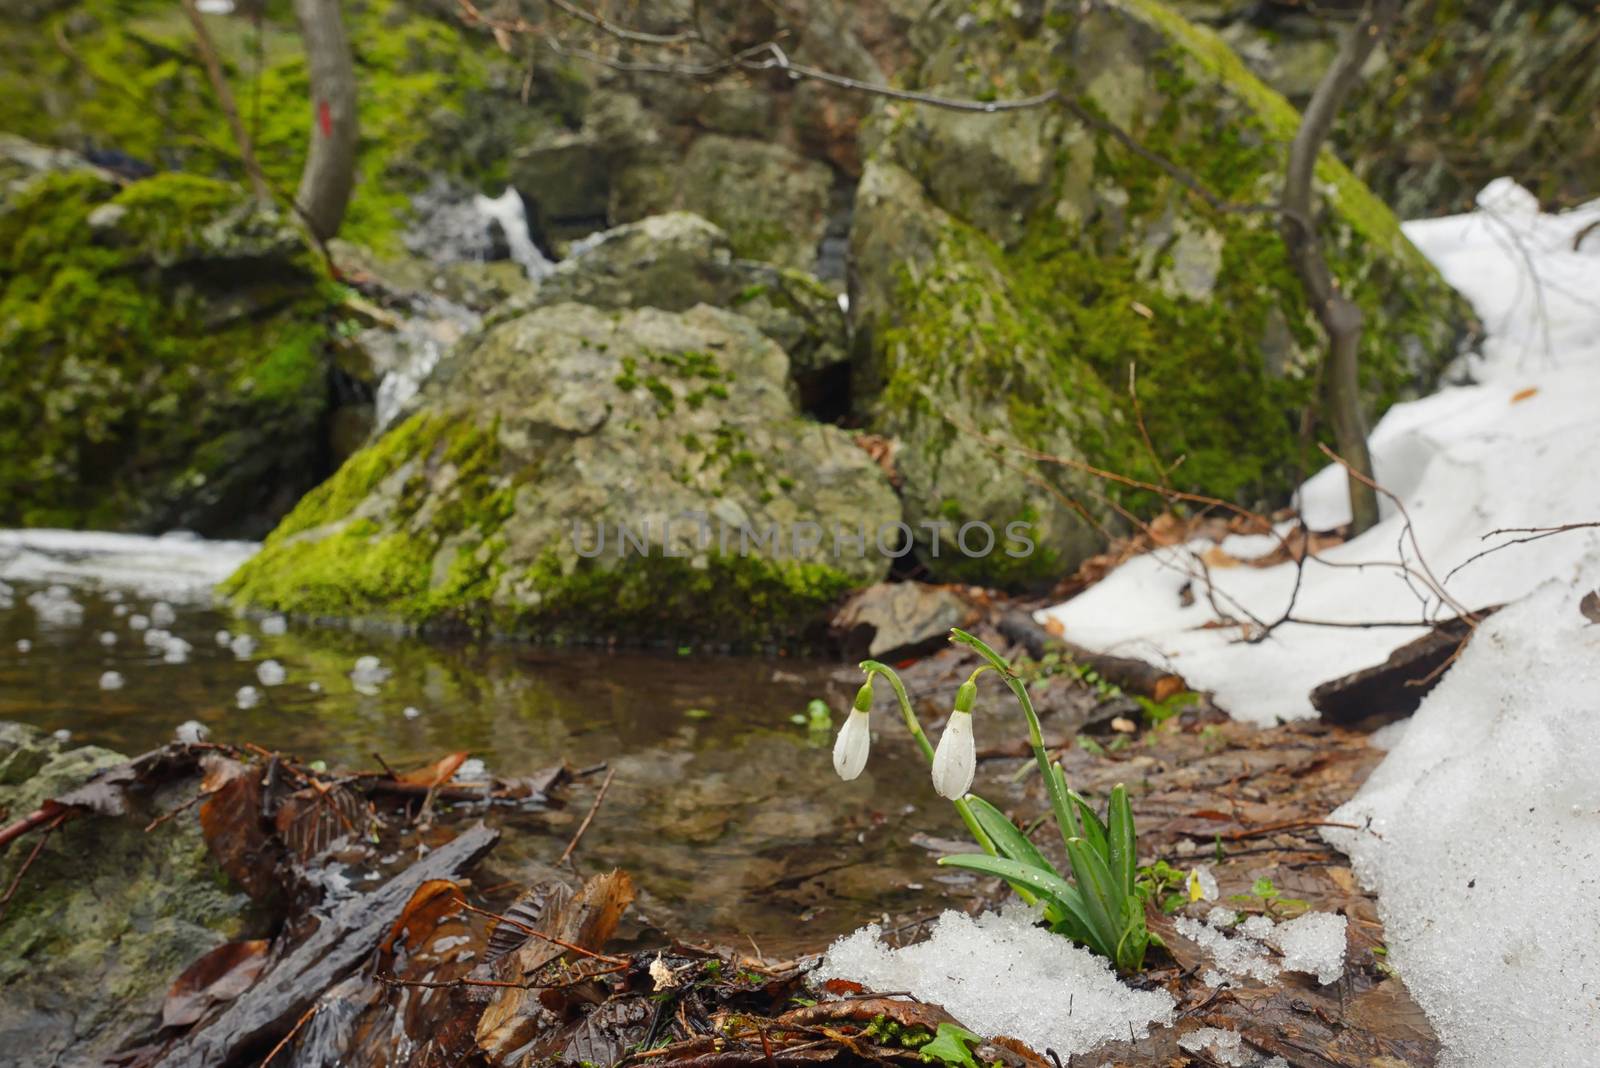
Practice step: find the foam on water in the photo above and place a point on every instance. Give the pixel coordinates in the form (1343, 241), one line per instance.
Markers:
(173, 567)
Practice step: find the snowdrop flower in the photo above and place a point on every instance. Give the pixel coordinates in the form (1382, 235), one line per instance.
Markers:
(855, 737)
(956, 759)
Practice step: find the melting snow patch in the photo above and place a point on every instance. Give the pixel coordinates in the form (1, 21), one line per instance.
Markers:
(274, 626)
(1488, 871)
(1236, 957)
(1001, 975)
(111, 680)
(248, 697)
(270, 673)
(1515, 448)
(1313, 943)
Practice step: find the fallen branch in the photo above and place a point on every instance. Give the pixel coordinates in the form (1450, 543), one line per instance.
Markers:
(347, 937)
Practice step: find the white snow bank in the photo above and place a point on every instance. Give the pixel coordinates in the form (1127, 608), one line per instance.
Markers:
(1488, 871)
(178, 567)
(1000, 975)
(1515, 449)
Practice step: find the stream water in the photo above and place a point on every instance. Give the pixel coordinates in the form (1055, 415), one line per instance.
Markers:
(726, 812)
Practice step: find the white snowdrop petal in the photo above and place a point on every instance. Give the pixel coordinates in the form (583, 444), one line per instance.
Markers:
(851, 748)
(956, 759)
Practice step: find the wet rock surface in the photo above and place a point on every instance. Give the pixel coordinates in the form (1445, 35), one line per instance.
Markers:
(105, 916)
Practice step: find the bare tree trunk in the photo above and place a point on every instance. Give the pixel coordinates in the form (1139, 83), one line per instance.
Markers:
(1341, 319)
(219, 85)
(330, 170)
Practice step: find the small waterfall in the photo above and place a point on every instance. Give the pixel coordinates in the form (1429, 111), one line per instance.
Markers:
(507, 210)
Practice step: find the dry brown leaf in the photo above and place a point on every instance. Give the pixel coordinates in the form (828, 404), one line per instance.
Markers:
(1523, 394)
(436, 774)
(218, 976)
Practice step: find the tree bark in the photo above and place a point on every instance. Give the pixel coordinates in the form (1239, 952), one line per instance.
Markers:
(330, 170)
(1340, 317)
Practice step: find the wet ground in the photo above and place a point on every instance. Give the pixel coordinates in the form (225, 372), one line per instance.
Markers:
(723, 808)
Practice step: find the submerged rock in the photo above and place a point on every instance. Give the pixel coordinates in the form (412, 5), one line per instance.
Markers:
(1017, 271)
(106, 916)
(164, 356)
(671, 435)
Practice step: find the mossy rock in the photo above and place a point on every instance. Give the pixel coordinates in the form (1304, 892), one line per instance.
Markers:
(123, 81)
(484, 509)
(678, 260)
(162, 356)
(1014, 270)
(1460, 92)
(771, 201)
(106, 916)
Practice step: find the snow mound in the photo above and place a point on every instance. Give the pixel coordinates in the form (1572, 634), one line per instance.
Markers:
(1488, 871)
(1000, 975)
(1313, 943)
(1226, 1047)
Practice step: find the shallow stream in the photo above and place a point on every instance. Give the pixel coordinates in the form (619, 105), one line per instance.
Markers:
(724, 809)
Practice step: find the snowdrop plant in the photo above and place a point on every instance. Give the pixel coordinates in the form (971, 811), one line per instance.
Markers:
(1100, 907)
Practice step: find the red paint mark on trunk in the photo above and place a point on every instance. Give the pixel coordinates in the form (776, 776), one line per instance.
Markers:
(325, 118)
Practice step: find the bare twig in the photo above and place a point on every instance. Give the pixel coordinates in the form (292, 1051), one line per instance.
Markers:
(219, 85)
(589, 818)
(1533, 534)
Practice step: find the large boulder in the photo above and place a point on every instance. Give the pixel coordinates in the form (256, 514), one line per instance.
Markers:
(545, 434)
(771, 201)
(106, 915)
(1458, 93)
(678, 260)
(1018, 274)
(162, 355)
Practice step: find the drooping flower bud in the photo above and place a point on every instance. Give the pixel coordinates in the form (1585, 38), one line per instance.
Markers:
(956, 759)
(855, 739)
(864, 696)
(966, 696)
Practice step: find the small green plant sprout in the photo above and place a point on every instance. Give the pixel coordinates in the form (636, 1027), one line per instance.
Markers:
(950, 1046)
(1161, 882)
(1271, 900)
(1101, 907)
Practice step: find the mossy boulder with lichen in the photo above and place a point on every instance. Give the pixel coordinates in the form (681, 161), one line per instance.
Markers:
(106, 916)
(1017, 274)
(1459, 93)
(162, 355)
(497, 505)
(677, 260)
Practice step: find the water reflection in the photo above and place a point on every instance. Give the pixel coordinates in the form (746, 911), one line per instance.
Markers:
(726, 812)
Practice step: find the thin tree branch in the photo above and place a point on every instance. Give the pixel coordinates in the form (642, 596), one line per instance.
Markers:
(219, 85)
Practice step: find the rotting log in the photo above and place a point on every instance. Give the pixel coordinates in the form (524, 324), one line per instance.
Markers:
(270, 1008)
(1395, 688)
(1125, 672)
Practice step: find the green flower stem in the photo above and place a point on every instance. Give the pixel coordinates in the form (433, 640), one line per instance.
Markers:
(914, 725)
(1060, 803)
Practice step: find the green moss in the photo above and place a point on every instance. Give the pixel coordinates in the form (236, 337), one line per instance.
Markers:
(322, 561)
(163, 347)
(730, 598)
(436, 558)
(434, 97)
(1038, 336)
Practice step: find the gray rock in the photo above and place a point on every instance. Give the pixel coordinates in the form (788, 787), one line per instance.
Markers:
(1016, 275)
(678, 260)
(486, 508)
(897, 619)
(105, 918)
